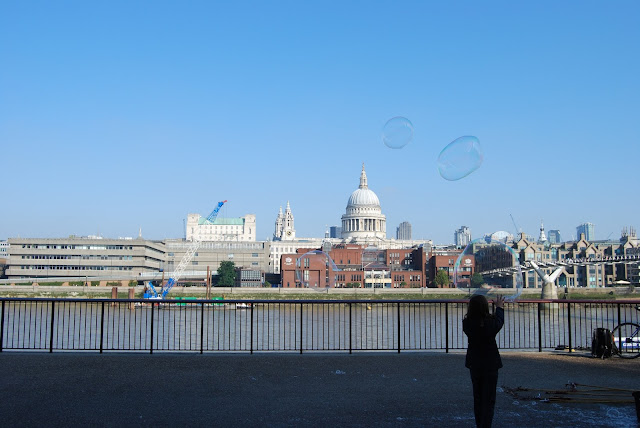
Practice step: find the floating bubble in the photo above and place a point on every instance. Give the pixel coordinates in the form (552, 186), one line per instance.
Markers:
(498, 263)
(315, 269)
(460, 158)
(397, 132)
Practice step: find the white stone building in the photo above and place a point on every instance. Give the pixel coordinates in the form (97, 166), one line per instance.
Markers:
(242, 229)
(363, 219)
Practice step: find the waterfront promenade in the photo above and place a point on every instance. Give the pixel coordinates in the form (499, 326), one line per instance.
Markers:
(411, 389)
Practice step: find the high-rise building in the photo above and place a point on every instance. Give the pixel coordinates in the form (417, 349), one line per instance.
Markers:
(554, 236)
(335, 231)
(588, 229)
(404, 231)
(462, 236)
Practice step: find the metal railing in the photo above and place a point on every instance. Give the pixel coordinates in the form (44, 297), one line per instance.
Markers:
(293, 325)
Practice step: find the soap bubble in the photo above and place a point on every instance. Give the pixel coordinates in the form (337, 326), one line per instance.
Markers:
(315, 269)
(460, 158)
(397, 132)
(500, 262)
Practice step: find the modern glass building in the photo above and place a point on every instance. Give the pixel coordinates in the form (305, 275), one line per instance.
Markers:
(588, 229)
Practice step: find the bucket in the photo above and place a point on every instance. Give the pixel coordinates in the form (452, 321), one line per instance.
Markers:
(636, 395)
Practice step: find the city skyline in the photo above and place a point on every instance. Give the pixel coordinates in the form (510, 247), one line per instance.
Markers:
(119, 117)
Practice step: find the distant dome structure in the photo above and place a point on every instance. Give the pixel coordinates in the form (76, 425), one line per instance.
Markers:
(500, 236)
(363, 217)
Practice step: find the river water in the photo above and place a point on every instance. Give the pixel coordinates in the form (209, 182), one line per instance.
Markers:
(125, 326)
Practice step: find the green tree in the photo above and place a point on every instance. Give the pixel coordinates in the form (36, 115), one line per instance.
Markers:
(442, 278)
(267, 284)
(227, 274)
(476, 280)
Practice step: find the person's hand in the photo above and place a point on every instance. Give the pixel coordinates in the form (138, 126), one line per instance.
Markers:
(500, 301)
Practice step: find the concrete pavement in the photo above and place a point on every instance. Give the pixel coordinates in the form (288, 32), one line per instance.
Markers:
(411, 389)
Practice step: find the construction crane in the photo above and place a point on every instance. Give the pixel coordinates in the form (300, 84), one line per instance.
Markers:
(177, 273)
(518, 230)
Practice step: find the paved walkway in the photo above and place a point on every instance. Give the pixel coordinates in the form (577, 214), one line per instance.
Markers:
(288, 390)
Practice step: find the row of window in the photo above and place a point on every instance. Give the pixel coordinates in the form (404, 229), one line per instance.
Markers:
(69, 257)
(67, 267)
(78, 247)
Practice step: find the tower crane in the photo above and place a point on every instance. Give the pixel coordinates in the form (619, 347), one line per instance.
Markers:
(177, 273)
(518, 230)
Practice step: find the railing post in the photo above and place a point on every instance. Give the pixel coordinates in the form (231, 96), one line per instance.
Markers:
(446, 327)
(301, 329)
(151, 342)
(569, 325)
(53, 307)
(350, 328)
(201, 328)
(539, 327)
(619, 330)
(251, 332)
(398, 306)
(2, 326)
(102, 328)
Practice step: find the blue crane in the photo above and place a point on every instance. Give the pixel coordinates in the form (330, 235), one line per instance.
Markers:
(151, 292)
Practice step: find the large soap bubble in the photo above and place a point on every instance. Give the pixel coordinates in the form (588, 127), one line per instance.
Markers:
(497, 262)
(460, 158)
(397, 132)
(315, 269)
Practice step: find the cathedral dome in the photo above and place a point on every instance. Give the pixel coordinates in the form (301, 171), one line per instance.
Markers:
(363, 217)
(363, 196)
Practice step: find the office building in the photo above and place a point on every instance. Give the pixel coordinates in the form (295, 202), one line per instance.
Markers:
(554, 236)
(221, 229)
(462, 236)
(403, 231)
(588, 229)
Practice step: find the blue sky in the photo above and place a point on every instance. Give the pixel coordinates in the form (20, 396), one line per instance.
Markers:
(116, 116)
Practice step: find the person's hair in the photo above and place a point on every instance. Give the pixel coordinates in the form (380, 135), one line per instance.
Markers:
(478, 308)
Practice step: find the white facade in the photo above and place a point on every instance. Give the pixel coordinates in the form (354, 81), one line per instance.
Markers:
(278, 248)
(363, 218)
(4, 250)
(241, 229)
(462, 236)
(284, 230)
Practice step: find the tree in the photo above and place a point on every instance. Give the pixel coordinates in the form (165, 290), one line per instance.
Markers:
(227, 274)
(442, 278)
(266, 284)
(476, 280)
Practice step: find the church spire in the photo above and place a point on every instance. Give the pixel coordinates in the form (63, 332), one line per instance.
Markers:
(363, 178)
(543, 237)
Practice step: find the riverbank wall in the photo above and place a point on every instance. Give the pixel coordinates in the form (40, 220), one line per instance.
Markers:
(123, 291)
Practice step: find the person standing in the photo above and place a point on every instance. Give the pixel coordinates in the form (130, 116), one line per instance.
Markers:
(483, 359)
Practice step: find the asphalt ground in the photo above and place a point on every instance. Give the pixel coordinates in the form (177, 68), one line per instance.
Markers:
(411, 389)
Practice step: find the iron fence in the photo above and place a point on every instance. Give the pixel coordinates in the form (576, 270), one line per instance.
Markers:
(293, 325)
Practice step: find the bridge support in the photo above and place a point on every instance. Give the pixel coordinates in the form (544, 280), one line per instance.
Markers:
(549, 289)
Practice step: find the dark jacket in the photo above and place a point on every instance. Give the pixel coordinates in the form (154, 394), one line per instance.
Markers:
(482, 353)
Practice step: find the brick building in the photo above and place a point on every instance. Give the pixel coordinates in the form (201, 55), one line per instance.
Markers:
(353, 265)
(446, 260)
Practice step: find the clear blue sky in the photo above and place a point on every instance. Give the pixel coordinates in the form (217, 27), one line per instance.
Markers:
(121, 115)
